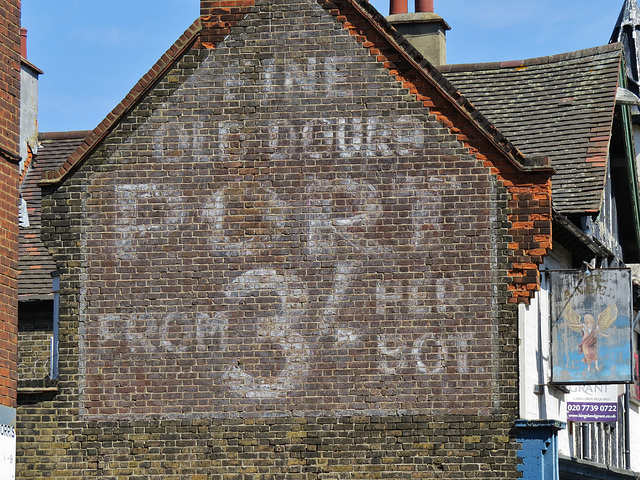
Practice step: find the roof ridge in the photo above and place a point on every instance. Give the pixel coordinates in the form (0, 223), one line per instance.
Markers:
(69, 135)
(528, 62)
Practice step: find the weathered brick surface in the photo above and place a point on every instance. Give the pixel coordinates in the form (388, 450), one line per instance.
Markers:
(530, 195)
(10, 77)
(282, 264)
(219, 17)
(365, 447)
(9, 138)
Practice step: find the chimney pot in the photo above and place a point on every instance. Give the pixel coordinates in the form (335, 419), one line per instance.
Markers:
(424, 29)
(424, 6)
(23, 43)
(398, 7)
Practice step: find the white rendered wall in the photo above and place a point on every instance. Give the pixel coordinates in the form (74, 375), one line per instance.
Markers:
(535, 369)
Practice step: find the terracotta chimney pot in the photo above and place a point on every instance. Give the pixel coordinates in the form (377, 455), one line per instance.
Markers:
(424, 6)
(398, 6)
(23, 43)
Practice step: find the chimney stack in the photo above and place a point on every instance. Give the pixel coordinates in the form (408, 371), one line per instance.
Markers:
(398, 7)
(23, 43)
(424, 29)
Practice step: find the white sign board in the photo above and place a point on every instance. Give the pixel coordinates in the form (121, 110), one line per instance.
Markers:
(592, 403)
(7, 443)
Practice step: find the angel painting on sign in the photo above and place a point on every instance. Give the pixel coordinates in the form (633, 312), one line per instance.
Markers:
(590, 330)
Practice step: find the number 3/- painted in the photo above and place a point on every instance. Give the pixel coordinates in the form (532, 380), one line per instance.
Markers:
(278, 329)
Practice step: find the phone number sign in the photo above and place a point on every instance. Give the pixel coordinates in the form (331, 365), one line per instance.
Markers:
(593, 403)
(592, 412)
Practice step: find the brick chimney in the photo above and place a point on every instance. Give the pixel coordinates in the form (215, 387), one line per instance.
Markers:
(215, 7)
(424, 29)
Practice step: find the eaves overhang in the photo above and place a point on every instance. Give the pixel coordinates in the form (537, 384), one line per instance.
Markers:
(576, 469)
(575, 240)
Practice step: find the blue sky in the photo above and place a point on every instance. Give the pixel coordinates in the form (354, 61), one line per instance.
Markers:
(93, 52)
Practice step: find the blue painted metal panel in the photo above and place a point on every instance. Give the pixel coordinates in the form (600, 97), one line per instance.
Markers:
(539, 449)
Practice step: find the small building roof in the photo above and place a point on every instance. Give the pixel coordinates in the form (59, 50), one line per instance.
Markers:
(560, 106)
(35, 265)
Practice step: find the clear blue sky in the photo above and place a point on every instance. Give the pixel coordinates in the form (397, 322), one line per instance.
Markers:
(93, 51)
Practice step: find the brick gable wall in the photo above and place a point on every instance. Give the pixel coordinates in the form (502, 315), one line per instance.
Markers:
(280, 263)
(9, 147)
(530, 194)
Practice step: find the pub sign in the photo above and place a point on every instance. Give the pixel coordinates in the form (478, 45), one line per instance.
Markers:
(591, 326)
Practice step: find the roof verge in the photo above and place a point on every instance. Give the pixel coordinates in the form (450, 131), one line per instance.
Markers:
(135, 95)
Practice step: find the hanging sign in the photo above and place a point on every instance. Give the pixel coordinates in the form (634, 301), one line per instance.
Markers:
(592, 403)
(591, 326)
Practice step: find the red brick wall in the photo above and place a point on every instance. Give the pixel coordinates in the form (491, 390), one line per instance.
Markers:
(219, 17)
(530, 193)
(10, 76)
(208, 7)
(9, 148)
(314, 241)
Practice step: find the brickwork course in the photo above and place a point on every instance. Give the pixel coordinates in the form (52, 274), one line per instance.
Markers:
(9, 157)
(290, 252)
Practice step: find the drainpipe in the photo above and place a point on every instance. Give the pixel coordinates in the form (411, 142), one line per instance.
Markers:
(627, 427)
(53, 368)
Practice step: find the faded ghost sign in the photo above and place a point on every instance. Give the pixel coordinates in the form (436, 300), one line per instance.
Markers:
(591, 326)
(266, 260)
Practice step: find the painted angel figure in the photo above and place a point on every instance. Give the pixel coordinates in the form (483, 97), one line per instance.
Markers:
(590, 330)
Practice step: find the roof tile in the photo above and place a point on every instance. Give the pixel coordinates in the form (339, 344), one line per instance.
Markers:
(559, 106)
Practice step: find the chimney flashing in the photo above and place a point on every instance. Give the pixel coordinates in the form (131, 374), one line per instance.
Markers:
(426, 31)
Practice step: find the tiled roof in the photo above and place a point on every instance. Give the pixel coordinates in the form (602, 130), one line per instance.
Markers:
(35, 264)
(560, 106)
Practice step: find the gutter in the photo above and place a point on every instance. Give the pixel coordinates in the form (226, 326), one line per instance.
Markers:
(574, 239)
